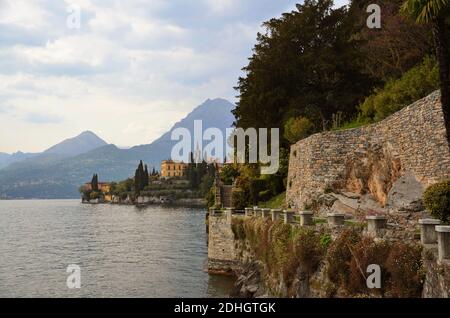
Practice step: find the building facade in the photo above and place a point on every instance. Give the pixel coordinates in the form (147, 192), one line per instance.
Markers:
(172, 169)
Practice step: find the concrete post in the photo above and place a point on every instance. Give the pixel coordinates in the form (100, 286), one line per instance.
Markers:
(336, 219)
(256, 212)
(275, 214)
(248, 212)
(229, 214)
(443, 234)
(306, 218)
(428, 233)
(288, 216)
(375, 223)
(265, 213)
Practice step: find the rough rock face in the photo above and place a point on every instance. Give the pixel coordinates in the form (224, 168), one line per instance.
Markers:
(369, 160)
(373, 173)
(248, 283)
(406, 194)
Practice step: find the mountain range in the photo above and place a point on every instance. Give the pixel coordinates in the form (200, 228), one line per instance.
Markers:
(58, 172)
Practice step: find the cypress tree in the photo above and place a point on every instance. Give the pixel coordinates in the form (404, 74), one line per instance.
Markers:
(94, 183)
(137, 182)
(146, 177)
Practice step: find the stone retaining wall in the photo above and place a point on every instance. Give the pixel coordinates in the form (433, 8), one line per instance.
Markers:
(221, 251)
(370, 159)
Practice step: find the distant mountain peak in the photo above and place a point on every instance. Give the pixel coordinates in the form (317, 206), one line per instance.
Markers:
(87, 133)
(84, 142)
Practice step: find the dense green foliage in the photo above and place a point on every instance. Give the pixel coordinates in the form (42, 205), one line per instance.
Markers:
(141, 178)
(437, 200)
(318, 68)
(437, 14)
(305, 64)
(200, 175)
(415, 84)
(297, 128)
(276, 202)
(94, 183)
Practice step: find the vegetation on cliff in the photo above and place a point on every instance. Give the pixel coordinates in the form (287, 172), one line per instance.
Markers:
(290, 84)
(437, 200)
(288, 252)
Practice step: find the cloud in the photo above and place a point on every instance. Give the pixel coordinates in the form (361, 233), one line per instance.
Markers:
(131, 71)
(39, 118)
(25, 14)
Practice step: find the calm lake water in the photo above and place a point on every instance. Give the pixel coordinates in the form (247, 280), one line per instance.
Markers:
(123, 251)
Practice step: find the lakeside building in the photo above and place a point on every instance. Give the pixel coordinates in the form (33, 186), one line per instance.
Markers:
(103, 187)
(172, 169)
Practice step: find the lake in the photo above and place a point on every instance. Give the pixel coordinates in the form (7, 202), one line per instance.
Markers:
(122, 251)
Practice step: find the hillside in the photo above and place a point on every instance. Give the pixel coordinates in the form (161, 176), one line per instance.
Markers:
(54, 175)
(80, 144)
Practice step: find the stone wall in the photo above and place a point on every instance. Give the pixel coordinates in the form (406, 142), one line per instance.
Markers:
(221, 251)
(371, 159)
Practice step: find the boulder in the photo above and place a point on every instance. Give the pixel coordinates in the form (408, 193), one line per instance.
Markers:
(406, 194)
(327, 199)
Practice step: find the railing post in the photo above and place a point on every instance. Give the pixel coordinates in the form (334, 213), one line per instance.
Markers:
(336, 219)
(288, 216)
(275, 214)
(306, 218)
(229, 214)
(248, 212)
(265, 213)
(428, 233)
(375, 223)
(443, 234)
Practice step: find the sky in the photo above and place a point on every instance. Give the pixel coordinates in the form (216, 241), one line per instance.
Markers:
(127, 70)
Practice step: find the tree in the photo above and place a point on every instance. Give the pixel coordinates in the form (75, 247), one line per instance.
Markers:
(140, 179)
(297, 128)
(415, 84)
(436, 13)
(146, 177)
(191, 172)
(397, 46)
(137, 182)
(306, 63)
(94, 183)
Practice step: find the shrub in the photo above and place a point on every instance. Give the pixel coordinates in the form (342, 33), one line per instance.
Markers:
(240, 199)
(94, 195)
(437, 200)
(325, 240)
(257, 186)
(265, 195)
(339, 257)
(415, 84)
(210, 197)
(237, 226)
(365, 253)
(309, 251)
(405, 268)
(297, 128)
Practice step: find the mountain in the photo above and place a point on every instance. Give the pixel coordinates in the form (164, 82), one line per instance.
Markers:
(7, 159)
(55, 175)
(214, 113)
(82, 143)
